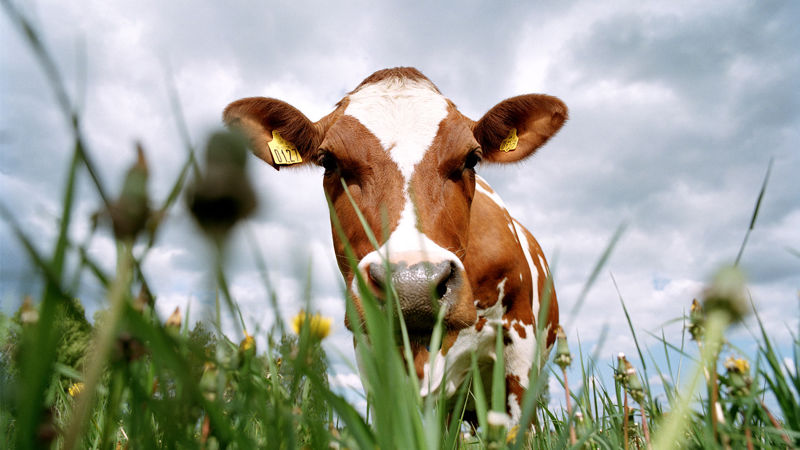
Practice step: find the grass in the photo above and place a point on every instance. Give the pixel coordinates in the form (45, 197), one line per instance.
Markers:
(136, 381)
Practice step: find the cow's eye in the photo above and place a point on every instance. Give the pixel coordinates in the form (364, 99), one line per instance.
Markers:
(473, 158)
(328, 162)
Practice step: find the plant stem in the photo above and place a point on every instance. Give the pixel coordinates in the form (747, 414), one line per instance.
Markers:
(777, 425)
(572, 438)
(711, 381)
(673, 428)
(102, 344)
(749, 437)
(645, 428)
(625, 420)
(714, 394)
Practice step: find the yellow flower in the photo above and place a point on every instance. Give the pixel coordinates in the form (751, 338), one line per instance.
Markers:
(247, 343)
(512, 434)
(75, 389)
(738, 365)
(319, 326)
(738, 379)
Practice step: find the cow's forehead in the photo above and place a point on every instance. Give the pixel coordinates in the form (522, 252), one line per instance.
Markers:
(404, 114)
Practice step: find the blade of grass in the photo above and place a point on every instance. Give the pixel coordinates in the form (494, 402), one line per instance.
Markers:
(356, 426)
(536, 379)
(400, 424)
(177, 188)
(102, 344)
(679, 418)
(529, 401)
(645, 376)
(38, 347)
(32, 36)
(261, 266)
(222, 283)
(481, 406)
(457, 415)
(755, 214)
(601, 262)
(180, 121)
(390, 293)
(787, 400)
(94, 268)
(164, 351)
(498, 372)
(66, 215)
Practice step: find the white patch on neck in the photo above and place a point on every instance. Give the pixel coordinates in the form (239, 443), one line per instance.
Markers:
(449, 371)
(526, 250)
(501, 290)
(489, 193)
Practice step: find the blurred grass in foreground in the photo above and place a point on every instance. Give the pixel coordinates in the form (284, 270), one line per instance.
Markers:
(131, 380)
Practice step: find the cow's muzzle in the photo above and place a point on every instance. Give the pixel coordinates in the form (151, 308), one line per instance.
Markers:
(422, 290)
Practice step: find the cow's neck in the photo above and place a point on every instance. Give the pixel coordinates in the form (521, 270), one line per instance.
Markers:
(494, 260)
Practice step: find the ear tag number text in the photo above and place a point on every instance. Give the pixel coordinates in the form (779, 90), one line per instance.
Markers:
(283, 151)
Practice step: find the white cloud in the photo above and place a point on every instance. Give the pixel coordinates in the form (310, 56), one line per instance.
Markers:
(347, 380)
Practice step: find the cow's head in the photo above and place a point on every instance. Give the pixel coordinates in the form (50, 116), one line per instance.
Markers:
(407, 157)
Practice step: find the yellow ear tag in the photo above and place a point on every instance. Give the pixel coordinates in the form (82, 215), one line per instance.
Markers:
(510, 142)
(283, 151)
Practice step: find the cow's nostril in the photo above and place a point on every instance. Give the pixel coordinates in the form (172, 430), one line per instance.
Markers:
(443, 276)
(441, 289)
(421, 288)
(377, 275)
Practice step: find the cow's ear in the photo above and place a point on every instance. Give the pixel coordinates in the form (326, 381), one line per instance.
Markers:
(278, 132)
(514, 128)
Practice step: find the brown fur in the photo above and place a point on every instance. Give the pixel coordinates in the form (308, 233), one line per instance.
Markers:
(259, 116)
(533, 129)
(552, 307)
(513, 386)
(401, 73)
(450, 213)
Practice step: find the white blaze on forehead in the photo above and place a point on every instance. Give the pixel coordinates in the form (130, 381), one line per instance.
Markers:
(404, 115)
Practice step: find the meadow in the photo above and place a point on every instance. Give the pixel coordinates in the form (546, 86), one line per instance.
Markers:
(132, 379)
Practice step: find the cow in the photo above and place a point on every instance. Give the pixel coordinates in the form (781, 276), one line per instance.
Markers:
(407, 157)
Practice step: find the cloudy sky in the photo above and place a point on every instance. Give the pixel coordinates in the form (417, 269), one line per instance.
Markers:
(676, 109)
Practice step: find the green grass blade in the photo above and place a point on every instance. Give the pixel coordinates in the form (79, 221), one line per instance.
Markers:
(66, 215)
(498, 372)
(56, 82)
(180, 121)
(457, 415)
(755, 213)
(261, 266)
(481, 406)
(601, 262)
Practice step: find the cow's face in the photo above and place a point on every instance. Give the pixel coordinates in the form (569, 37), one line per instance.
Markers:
(405, 156)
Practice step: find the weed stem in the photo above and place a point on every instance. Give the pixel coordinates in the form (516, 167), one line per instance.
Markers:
(102, 343)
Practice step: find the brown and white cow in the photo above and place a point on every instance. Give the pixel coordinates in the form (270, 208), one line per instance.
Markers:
(408, 156)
